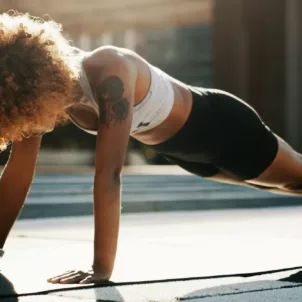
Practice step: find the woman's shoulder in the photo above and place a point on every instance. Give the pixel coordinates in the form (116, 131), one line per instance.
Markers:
(108, 60)
(107, 56)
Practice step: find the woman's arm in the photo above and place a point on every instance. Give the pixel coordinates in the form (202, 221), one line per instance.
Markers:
(15, 182)
(115, 96)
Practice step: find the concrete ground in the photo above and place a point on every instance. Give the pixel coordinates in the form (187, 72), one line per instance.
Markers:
(157, 246)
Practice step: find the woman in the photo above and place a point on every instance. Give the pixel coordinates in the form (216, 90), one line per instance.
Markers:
(114, 93)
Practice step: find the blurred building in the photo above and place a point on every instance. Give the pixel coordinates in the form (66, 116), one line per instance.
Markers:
(257, 55)
(247, 47)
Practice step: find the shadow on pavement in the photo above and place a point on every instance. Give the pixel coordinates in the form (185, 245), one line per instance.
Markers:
(295, 278)
(7, 288)
(266, 290)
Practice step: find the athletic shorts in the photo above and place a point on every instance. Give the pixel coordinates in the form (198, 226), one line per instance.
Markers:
(222, 134)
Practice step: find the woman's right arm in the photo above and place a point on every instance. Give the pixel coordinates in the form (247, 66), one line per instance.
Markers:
(15, 182)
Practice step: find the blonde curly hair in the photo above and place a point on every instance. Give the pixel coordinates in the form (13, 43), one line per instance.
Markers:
(38, 75)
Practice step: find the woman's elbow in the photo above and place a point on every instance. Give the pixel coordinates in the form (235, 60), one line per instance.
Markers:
(108, 176)
(116, 177)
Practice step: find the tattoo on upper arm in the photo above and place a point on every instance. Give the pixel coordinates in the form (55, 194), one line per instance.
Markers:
(113, 107)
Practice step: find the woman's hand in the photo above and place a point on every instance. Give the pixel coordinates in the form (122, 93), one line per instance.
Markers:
(79, 277)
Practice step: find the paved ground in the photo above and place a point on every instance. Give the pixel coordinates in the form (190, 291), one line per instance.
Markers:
(159, 246)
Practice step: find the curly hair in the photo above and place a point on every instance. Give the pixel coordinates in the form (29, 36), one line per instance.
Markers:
(38, 72)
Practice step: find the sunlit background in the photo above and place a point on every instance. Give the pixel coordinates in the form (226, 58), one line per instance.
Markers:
(250, 48)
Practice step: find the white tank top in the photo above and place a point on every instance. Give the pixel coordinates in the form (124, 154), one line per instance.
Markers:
(150, 112)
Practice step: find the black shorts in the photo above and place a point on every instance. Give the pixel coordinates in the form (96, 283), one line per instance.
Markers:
(222, 134)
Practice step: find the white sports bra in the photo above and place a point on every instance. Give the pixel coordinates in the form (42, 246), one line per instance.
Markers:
(150, 112)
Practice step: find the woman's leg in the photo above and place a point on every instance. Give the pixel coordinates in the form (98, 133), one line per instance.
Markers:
(285, 172)
(224, 178)
(209, 171)
(250, 151)
(271, 180)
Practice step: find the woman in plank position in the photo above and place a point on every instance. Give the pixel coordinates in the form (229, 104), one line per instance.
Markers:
(114, 93)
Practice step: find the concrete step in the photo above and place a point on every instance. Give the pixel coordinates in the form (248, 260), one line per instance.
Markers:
(72, 195)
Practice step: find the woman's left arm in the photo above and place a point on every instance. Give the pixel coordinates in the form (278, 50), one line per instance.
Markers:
(115, 95)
